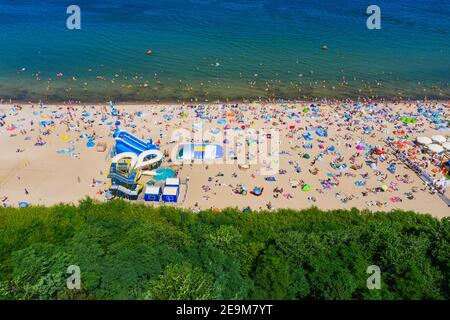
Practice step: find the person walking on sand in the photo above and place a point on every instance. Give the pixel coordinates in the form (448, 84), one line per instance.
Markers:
(26, 191)
(79, 180)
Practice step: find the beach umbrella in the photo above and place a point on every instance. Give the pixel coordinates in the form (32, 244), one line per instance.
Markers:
(438, 138)
(90, 144)
(424, 140)
(446, 145)
(384, 187)
(435, 148)
(306, 156)
(23, 204)
(65, 138)
(291, 127)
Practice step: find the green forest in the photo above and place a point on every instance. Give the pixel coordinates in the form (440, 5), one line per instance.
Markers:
(130, 251)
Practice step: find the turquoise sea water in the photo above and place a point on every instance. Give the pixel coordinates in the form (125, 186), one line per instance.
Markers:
(208, 49)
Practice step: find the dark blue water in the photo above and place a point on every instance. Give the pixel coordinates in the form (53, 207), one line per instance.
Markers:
(208, 49)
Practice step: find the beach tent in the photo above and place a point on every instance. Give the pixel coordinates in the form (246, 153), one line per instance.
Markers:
(435, 148)
(152, 193)
(307, 136)
(101, 147)
(322, 132)
(392, 168)
(197, 125)
(438, 138)
(424, 140)
(65, 138)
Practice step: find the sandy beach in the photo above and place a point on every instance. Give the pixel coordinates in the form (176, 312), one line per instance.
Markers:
(45, 159)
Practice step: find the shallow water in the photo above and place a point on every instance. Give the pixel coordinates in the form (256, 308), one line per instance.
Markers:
(208, 49)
